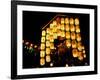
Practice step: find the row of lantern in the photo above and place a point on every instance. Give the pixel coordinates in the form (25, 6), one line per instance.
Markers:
(68, 35)
(70, 21)
(61, 28)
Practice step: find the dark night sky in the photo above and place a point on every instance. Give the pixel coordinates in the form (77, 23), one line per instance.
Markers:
(34, 21)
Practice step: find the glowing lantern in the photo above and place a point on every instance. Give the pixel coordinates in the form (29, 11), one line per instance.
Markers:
(58, 32)
(78, 37)
(84, 55)
(74, 44)
(42, 53)
(58, 26)
(43, 39)
(72, 28)
(68, 43)
(51, 38)
(42, 61)
(51, 46)
(62, 34)
(43, 33)
(48, 30)
(66, 20)
(51, 26)
(47, 43)
(54, 22)
(48, 37)
(77, 29)
(42, 46)
(67, 27)
(84, 51)
(75, 53)
(55, 35)
(62, 27)
(76, 21)
(67, 35)
(62, 20)
(47, 50)
(48, 59)
(73, 36)
(53, 30)
(80, 57)
(71, 21)
(80, 48)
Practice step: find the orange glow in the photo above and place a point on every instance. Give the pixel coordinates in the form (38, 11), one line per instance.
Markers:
(66, 20)
(75, 53)
(43, 33)
(76, 21)
(42, 61)
(48, 59)
(43, 39)
(77, 29)
(71, 21)
(67, 27)
(51, 46)
(42, 46)
(62, 27)
(42, 53)
(47, 50)
(73, 36)
(67, 35)
(68, 43)
(47, 43)
(78, 37)
(72, 28)
(74, 44)
(62, 20)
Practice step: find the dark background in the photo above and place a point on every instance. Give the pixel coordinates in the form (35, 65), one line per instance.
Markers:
(32, 27)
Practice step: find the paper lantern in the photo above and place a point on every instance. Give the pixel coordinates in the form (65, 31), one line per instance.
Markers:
(51, 45)
(43, 33)
(76, 21)
(78, 37)
(42, 53)
(47, 37)
(74, 44)
(62, 20)
(51, 26)
(73, 36)
(42, 61)
(55, 35)
(72, 28)
(67, 27)
(43, 39)
(66, 20)
(51, 38)
(58, 32)
(48, 30)
(77, 29)
(80, 57)
(71, 21)
(47, 43)
(62, 34)
(75, 53)
(48, 59)
(47, 50)
(67, 35)
(54, 22)
(42, 46)
(62, 27)
(68, 43)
